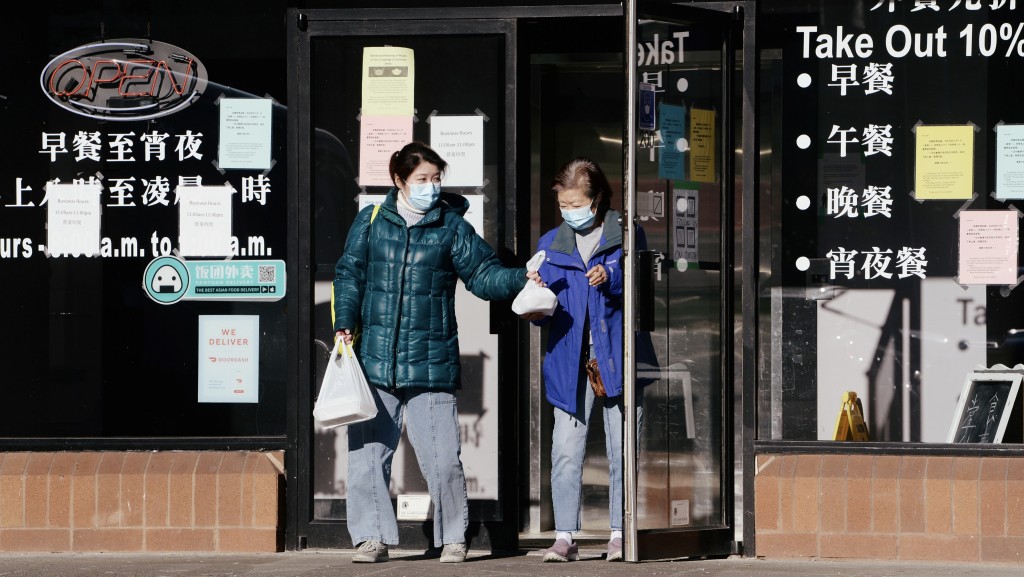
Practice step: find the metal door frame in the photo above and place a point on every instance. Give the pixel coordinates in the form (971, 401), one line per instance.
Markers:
(666, 543)
(305, 26)
(302, 530)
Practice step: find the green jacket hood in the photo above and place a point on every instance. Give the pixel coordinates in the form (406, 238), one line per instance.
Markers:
(455, 202)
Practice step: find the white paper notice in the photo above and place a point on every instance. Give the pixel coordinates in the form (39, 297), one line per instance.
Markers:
(245, 133)
(988, 247)
(475, 213)
(1010, 161)
(460, 142)
(73, 219)
(204, 220)
(229, 358)
(366, 200)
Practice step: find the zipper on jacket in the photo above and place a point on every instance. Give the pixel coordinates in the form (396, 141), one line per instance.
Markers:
(398, 316)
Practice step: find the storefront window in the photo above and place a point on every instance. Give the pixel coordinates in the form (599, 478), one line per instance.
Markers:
(892, 195)
(124, 108)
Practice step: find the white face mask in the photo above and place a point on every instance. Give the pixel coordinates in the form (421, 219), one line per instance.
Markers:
(423, 195)
(579, 218)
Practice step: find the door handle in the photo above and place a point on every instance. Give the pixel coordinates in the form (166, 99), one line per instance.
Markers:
(647, 264)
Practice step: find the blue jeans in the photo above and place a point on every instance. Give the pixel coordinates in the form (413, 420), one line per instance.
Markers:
(433, 424)
(568, 448)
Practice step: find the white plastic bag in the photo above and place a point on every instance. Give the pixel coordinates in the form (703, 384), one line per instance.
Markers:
(345, 396)
(534, 298)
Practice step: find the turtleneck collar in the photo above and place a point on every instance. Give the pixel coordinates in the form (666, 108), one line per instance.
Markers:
(404, 204)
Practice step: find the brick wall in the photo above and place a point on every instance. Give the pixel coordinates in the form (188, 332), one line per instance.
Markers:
(141, 501)
(890, 507)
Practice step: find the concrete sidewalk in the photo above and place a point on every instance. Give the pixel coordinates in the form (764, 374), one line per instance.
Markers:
(315, 563)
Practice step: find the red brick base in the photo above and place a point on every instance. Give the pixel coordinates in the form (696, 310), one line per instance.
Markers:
(141, 501)
(890, 507)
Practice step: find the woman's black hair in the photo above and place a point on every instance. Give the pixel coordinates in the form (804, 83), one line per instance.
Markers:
(584, 174)
(404, 161)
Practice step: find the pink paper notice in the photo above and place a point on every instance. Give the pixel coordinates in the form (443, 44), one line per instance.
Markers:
(988, 247)
(379, 138)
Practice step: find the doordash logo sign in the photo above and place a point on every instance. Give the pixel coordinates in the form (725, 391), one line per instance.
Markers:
(124, 79)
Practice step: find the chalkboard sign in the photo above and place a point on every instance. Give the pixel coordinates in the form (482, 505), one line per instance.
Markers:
(989, 410)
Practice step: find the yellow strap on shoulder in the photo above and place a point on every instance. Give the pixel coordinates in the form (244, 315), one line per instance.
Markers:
(373, 215)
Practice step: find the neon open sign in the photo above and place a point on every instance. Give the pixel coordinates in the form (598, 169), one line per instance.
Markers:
(124, 79)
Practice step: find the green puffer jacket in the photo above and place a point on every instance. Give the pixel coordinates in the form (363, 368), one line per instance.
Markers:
(397, 284)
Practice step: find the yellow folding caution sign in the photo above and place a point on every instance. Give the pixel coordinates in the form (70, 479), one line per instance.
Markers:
(850, 424)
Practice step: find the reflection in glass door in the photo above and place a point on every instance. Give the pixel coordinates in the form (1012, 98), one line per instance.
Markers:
(678, 194)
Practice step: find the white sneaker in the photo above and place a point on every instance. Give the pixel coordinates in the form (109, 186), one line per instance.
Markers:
(371, 552)
(561, 552)
(454, 553)
(614, 549)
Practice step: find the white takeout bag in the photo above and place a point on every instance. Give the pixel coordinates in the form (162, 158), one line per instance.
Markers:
(345, 396)
(534, 298)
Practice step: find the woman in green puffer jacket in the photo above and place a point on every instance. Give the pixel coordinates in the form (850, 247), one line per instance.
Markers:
(396, 284)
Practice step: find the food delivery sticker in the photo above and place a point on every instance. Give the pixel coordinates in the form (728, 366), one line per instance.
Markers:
(166, 280)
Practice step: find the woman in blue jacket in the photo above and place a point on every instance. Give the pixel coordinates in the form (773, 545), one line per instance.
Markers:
(583, 267)
(396, 284)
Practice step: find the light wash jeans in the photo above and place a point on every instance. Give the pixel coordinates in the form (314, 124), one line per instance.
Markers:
(568, 448)
(433, 426)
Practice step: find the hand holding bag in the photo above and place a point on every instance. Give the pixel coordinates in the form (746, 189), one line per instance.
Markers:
(535, 298)
(345, 395)
(594, 376)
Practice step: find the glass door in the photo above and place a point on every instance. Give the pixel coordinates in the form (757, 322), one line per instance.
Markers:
(363, 88)
(678, 193)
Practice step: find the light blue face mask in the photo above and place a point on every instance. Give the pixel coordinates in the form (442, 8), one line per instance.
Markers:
(423, 195)
(579, 218)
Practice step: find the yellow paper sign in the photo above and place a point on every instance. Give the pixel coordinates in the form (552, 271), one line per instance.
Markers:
(702, 145)
(944, 163)
(389, 75)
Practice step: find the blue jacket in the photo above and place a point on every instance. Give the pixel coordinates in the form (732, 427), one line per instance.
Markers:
(565, 273)
(397, 284)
